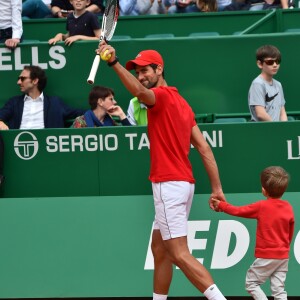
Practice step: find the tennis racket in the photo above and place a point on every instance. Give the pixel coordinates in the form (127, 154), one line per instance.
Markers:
(109, 23)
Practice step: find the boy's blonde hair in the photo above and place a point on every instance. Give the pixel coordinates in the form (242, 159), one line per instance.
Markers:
(275, 181)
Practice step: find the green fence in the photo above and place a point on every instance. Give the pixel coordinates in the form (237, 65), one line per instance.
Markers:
(99, 247)
(140, 26)
(115, 161)
(213, 74)
(225, 23)
(76, 210)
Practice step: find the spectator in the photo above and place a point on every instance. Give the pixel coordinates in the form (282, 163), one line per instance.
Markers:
(61, 8)
(81, 25)
(265, 98)
(103, 106)
(275, 228)
(207, 5)
(254, 5)
(128, 8)
(150, 7)
(137, 112)
(36, 9)
(11, 28)
(268, 4)
(34, 110)
(191, 6)
(221, 4)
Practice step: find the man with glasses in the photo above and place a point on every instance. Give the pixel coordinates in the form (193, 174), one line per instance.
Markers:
(266, 98)
(34, 109)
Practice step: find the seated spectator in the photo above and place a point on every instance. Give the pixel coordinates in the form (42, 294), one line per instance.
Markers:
(11, 28)
(61, 8)
(137, 112)
(191, 6)
(268, 4)
(103, 107)
(266, 100)
(150, 7)
(221, 4)
(255, 5)
(128, 8)
(81, 25)
(36, 9)
(33, 109)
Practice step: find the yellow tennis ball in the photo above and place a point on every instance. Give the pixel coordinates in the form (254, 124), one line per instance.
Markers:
(105, 55)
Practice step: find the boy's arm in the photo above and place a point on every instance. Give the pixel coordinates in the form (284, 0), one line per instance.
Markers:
(247, 211)
(70, 40)
(283, 115)
(58, 38)
(261, 113)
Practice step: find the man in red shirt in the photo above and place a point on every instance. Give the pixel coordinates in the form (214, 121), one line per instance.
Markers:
(171, 129)
(275, 229)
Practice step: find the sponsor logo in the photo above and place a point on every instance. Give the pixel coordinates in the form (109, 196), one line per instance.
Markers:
(26, 145)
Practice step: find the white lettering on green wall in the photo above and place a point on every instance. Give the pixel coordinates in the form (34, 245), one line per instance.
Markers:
(222, 258)
(293, 154)
(20, 57)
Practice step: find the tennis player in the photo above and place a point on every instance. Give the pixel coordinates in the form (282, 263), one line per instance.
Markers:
(171, 129)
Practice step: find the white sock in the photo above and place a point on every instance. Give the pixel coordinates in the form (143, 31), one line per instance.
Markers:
(213, 293)
(159, 297)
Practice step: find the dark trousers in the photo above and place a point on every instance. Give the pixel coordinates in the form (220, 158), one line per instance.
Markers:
(5, 34)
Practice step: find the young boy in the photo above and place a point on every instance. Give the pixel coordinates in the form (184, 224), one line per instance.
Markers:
(266, 100)
(81, 25)
(275, 228)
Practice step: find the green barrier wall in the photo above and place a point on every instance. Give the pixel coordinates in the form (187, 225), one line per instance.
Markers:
(213, 74)
(225, 23)
(99, 247)
(139, 26)
(115, 161)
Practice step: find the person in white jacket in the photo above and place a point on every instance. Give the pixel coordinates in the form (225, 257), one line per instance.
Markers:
(141, 7)
(151, 7)
(11, 27)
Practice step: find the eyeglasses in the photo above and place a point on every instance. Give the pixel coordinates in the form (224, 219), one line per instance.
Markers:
(22, 78)
(270, 62)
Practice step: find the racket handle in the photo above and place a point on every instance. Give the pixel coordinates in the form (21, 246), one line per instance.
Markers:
(94, 69)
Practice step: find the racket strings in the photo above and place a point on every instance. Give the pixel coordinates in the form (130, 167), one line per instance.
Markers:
(111, 16)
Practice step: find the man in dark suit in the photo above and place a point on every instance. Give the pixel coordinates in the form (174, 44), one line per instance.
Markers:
(33, 109)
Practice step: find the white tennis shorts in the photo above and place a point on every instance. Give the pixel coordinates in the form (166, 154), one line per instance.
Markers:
(172, 203)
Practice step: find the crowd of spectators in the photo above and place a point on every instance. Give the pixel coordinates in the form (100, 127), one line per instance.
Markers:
(61, 8)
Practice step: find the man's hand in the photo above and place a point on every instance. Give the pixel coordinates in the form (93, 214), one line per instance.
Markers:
(219, 196)
(3, 126)
(12, 43)
(103, 46)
